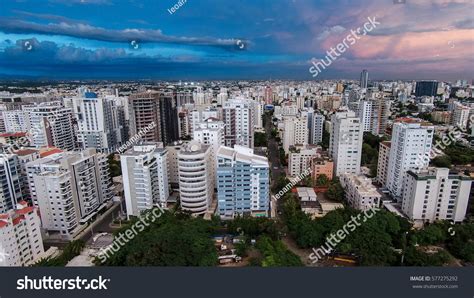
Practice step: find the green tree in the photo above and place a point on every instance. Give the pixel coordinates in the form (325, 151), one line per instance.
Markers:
(171, 240)
(260, 139)
(443, 161)
(71, 250)
(322, 180)
(335, 191)
(275, 254)
(114, 166)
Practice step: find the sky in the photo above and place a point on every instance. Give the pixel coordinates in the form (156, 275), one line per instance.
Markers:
(239, 39)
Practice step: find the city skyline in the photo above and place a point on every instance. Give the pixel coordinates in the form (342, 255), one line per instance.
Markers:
(106, 39)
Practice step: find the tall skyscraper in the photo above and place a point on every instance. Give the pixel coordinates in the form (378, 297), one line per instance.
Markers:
(239, 119)
(374, 114)
(51, 125)
(242, 182)
(98, 122)
(364, 78)
(158, 108)
(426, 88)
(10, 182)
(15, 121)
(210, 132)
(145, 177)
(168, 117)
(69, 188)
(345, 145)
(460, 115)
(196, 183)
(315, 126)
(295, 131)
(411, 143)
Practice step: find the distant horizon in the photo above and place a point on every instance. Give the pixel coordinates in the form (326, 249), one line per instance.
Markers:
(213, 40)
(37, 79)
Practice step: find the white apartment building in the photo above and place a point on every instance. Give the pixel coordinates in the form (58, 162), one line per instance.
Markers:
(411, 143)
(211, 132)
(299, 159)
(238, 116)
(345, 145)
(295, 131)
(196, 183)
(242, 182)
(69, 188)
(365, 111)
(382, 165)
(24, 157)
(200, 114)
(50, 125)
(98, 122)
(285, 110)
(435, 194)
(15, 121)
(361, 194)
(20, 236)
(10, 182)
(145, 177)
(460, 115)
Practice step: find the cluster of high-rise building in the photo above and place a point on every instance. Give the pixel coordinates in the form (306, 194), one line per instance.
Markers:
(193, 146)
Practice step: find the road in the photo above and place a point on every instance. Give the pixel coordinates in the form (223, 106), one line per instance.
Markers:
(276, 168)
(273, 152)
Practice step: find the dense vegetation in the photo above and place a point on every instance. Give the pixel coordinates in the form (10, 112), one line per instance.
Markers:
(253, 227)
(171, 240)
(370, 152)
(114, 166)
(326, 139)
(335, 190)
(382, 239)
(275, 254)
(260, 139)
(458, 239)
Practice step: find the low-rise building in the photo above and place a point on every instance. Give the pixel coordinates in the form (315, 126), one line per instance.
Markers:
(299, 159)
(314, 204)
(361, 194)
(322, 165)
